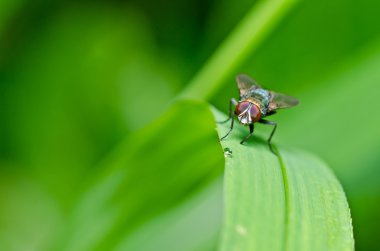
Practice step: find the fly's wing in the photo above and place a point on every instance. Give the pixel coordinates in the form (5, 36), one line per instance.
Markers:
(245, 83)
(279, 100)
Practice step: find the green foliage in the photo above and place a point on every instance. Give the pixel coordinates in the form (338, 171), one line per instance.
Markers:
(287, 202)
(240, 43)
(345, 119)
(140, 181)
(92, 157)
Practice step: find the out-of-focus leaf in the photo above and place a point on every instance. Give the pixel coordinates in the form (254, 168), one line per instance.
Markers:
(30, 217)
(286, 202)
(7, 9)
(183, 228)
(305, 47)
(246, 37)
(76, 90)
(348, 99)
(154, 170)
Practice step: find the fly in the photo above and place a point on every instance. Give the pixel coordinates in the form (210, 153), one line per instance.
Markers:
(256, 103)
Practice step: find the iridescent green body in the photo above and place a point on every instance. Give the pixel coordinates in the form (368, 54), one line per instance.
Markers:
(260, 97)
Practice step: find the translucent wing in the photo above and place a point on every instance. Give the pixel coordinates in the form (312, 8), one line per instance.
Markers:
(279, 100)
(245, 83)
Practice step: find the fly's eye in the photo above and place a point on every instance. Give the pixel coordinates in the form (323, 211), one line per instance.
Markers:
(255, 113)
(241, 107)
(247, 112)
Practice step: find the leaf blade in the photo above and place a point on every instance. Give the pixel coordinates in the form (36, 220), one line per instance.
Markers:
(244, 39)
(156, 169)
(269, 198)
(316, 205)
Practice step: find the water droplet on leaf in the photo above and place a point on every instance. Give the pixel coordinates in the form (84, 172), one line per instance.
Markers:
(227, 152)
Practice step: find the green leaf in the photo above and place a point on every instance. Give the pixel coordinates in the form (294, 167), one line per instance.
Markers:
(348, 137)
(289, 201)
(8, 9)
(171, 231)
(345, 101)
(91, 54)
(245, 38)
(153, 172)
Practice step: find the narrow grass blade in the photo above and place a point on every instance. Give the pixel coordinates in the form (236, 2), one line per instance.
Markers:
(245, 38)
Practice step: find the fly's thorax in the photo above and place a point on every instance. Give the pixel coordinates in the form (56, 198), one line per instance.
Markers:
(260, 97)
(248, 112)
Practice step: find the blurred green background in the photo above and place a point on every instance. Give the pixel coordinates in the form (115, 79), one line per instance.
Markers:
(79, 78)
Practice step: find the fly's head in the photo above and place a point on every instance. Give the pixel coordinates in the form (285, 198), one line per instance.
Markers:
(247, 112)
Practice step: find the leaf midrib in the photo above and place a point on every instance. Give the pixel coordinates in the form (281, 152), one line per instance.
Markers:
(285, 183)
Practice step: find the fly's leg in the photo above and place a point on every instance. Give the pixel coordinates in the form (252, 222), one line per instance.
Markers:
(274, 124)
(233, 102)
(232, 126)
(251, 128)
